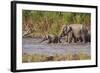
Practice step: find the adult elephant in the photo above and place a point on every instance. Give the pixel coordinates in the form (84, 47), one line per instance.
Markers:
(75, 32)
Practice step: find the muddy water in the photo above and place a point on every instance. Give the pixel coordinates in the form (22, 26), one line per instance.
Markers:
(33, 46)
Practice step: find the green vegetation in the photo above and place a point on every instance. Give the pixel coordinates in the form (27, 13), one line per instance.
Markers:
(49, 22)
(57, 57)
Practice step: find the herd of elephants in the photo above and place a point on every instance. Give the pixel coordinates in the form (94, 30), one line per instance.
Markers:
(72, 32)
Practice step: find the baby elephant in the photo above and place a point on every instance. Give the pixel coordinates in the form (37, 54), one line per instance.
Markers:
(51, 39)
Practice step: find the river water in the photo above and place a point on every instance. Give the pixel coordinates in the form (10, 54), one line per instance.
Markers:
(33, 46)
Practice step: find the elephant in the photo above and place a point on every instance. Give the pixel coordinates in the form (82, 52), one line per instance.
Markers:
(86, 34)
(67, 32)
(51, 39)
(89, 35)
(76, 33)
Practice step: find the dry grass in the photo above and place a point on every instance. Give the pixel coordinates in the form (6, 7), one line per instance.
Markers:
(57, 57)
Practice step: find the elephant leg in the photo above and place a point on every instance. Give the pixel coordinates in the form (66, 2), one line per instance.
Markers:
(87, 38)
(67, 39)
(49, 41)
(74, 38)
(77, 39)
(70, 39)
(80, 38)
(84, 39)
(56, 39)
(59, 41)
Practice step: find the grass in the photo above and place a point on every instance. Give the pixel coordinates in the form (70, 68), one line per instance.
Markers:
(57, 57)
(50, 22)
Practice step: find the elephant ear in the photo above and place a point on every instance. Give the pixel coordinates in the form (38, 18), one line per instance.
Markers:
(65, 28)
(69, 29)
(63, 31)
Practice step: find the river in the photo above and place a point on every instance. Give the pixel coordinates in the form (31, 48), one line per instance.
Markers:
(33, 46)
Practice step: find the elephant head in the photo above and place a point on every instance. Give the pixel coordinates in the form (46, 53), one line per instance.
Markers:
(51, 39)
(65, 30)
